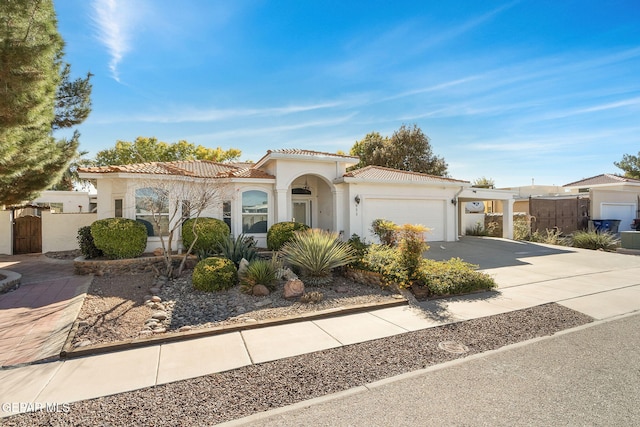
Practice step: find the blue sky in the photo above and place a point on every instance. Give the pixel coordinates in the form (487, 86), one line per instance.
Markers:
(511, 91)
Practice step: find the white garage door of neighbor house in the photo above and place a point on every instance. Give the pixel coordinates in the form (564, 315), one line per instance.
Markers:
(625, 212)
(429, 213)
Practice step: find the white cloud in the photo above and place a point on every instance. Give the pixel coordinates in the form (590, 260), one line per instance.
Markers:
(114, 21)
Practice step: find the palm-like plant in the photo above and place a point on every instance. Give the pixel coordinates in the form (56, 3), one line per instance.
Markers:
(259, 272)
(238, 248)
(317, 252)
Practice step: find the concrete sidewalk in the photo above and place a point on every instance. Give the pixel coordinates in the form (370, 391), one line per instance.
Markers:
(599, 284)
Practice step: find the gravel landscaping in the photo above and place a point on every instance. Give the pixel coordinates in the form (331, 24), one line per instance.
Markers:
(121, 307)
(233, 394)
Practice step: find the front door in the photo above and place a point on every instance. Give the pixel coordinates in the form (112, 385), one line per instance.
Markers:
(302, 211)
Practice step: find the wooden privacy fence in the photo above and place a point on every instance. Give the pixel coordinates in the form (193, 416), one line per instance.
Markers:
(568, 215)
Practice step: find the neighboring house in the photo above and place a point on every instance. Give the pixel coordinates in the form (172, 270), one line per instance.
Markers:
(306, 186)
(612, 197)
(571, 206)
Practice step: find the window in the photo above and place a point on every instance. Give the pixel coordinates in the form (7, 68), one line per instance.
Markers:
(152, 210)
(254, 211)
(117, 208)
(56, 207)
(226, 213)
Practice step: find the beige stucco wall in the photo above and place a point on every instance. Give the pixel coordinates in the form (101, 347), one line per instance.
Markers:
(6, 234)
(72, 201)
(600, 196)
(395, 193)
(60, 231)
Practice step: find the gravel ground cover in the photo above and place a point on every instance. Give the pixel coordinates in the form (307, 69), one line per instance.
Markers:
(234, 394)
(116, 307)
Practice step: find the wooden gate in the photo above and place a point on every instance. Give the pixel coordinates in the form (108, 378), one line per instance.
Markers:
(568, 215)
(27, 235)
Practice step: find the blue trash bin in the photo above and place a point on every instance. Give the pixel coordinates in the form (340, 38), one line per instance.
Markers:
(605, 225)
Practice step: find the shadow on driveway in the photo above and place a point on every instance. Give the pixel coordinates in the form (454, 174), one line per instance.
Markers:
(489, 252)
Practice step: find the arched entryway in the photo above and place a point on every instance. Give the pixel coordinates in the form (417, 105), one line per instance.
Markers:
(312, 202)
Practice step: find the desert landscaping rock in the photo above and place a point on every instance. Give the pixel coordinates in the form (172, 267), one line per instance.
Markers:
(159, 315)
(260, 291)
(263, 303)
(293, 288)
(225, 396)
(117, 307)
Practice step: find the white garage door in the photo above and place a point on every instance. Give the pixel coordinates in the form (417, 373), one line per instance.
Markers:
(430, 213)
(625, 212)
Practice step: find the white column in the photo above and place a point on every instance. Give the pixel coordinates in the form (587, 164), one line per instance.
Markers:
(507, 218)
(281, 205)
(338, 211)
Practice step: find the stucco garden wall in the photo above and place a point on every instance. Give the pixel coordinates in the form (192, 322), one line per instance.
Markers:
(60, 230)
(6, 235)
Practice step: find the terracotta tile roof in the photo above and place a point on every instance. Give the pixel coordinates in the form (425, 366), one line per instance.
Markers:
(310, 153)
(379, 173)
(604, 178)
(194, 168)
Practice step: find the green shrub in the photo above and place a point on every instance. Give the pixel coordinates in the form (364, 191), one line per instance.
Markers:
(119, 237)
(453, 277)
(593, 240)
(210, 232)
(387, 261)
(281, 233)
(477, 230)
(385, 230)
(87, 246)
(238, 248)
(521, 229)
(551, 236)
(214, 274)
(359, 249)
(259, 272)
(412, 245)
(317, 252)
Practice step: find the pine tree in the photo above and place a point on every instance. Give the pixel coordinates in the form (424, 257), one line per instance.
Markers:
(36, 97)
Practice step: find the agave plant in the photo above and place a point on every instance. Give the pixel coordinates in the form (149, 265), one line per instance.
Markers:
(238, 248)
(317, 252)
(259, 272)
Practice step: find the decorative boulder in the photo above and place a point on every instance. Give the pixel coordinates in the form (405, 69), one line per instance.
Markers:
(158, 251)
(260, 291)
(294, 288)
(242, 267)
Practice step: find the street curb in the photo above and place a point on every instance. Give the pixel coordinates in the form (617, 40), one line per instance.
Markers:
(413, 374)
(10, 282)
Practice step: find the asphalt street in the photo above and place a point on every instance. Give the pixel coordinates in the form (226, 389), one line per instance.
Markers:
(587, 376)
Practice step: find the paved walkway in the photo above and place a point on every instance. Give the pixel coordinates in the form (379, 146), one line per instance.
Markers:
(35, 319)
(599, 284)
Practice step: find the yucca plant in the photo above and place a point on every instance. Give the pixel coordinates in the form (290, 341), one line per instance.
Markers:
(238, 248)
(317, 252)
(593, 240)
(259, 272)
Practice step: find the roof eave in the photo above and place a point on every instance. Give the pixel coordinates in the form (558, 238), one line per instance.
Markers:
(355, 180)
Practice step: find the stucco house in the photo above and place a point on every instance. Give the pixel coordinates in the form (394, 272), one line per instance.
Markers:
(612, 197)
(312, 187)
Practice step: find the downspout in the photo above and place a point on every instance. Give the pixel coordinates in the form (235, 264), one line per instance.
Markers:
(454, 201)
